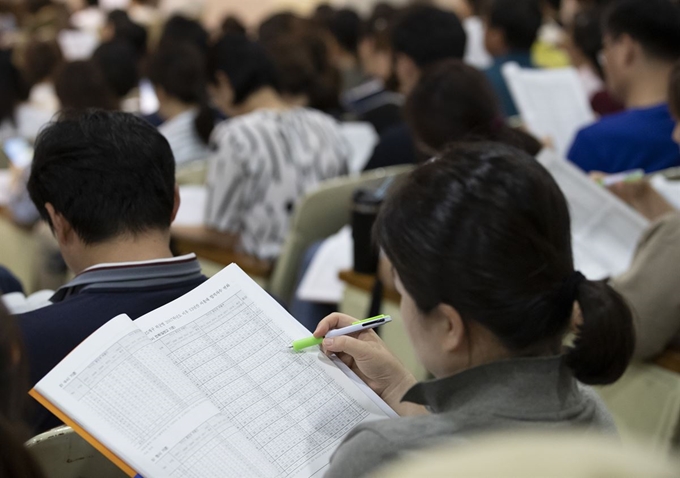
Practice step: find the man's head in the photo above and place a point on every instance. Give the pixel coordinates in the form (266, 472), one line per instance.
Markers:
(640, 36)
(98, 177)
(423, 36)
(511, 25)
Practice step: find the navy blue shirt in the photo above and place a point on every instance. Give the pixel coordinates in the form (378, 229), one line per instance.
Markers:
(495, 76)
(636, 138)
(395, 147)
(91, 300)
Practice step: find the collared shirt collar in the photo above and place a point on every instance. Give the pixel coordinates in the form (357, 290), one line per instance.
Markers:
(522, 58)
(545, 381)
(157, 272)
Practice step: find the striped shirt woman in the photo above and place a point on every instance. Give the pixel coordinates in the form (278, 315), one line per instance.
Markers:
(264, 161)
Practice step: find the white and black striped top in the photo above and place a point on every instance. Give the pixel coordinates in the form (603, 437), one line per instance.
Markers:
(184, 141)
(263, 163)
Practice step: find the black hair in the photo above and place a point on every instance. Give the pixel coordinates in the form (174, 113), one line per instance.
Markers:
(233, 25)
(427, 34)
(674, 90)
(106, 173)
(655, 24)
(15, 460)
(377, 26)
(12, 88)
(277, 26)
(92, 3)
(586, 33)
(41, 60)
(246, 64)
(180, 70)
(454, 102)
(485, 229)
(81, 84)
(180, 29)
(345, 25)
(519, 20)
(127, 30)
(119, 63)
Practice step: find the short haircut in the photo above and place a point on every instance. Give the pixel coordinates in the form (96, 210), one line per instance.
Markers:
(453, 102)
(118, 61)
(41, 59)
(82, 85)
(655, 24)
(246, 64)
(345, 25)
(181, 29)
(126, 29)
(427, 34)
(519, 20)
(108, 174)
(12, 88)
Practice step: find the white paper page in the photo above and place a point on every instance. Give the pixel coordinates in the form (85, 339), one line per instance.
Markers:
(321, 282)
(192, 206)
(5, 186)
(605, 230)
(552, 103)
(669, 189)
(231, 338)
(361, 138)
(127, 394)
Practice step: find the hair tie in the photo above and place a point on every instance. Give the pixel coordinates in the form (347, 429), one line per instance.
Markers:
(568, 293)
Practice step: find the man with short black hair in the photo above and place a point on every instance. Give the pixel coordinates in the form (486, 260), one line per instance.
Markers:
(641, 45)
(422, 37)
(105, 183)
(511, 30)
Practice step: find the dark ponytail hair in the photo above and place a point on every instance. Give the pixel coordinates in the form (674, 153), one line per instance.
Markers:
(179, 68)
(453, 102)
(485, 229)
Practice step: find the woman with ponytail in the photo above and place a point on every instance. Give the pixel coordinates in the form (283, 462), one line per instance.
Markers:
(177, 72)
(480, 246)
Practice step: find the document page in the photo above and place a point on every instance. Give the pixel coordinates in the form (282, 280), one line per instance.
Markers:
(231, 339)
(552, 103)
(130, 397)
(605, 231)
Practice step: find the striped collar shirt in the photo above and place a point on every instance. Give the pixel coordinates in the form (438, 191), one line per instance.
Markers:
(263, 163)
(184, 141)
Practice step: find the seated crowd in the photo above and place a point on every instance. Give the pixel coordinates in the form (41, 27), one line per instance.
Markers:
(476, 239)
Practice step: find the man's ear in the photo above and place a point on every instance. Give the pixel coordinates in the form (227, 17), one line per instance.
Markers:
(632, 51)
(175, 207)
(452, 328)
(61, 228)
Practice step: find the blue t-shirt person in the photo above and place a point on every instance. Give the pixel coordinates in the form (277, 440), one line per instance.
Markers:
(636, 138)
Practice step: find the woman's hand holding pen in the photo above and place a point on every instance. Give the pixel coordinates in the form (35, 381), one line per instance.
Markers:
(368, 356)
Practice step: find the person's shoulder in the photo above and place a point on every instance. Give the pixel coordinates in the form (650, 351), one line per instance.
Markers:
(598, 417)
(372, 445)
(317, 116)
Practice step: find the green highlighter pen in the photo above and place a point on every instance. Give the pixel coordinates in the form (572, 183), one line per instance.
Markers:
(357, 326)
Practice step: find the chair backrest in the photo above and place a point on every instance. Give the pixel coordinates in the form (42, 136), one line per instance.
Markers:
(61, 453)
(319, 214)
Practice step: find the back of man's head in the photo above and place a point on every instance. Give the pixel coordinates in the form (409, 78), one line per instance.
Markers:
(518, 20)
(107, 174)
(654, 24)
(428, 34)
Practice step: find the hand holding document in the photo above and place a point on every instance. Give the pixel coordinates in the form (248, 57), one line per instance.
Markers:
(206, 386)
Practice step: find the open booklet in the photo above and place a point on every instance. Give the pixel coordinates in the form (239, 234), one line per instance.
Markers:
(605, 230)
(206, 386)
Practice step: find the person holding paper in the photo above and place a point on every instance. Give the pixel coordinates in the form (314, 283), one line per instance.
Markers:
(480, 244)
(641, 44)
(105, 183)
(511, 30)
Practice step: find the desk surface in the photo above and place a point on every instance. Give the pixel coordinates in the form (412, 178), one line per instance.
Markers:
(670, 359)
(217, 247)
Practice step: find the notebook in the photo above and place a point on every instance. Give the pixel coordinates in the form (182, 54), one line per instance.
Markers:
(552, 103)
(605, 230)
(206, 386)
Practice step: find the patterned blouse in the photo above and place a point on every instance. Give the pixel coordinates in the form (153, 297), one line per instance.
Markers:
(263, 163)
